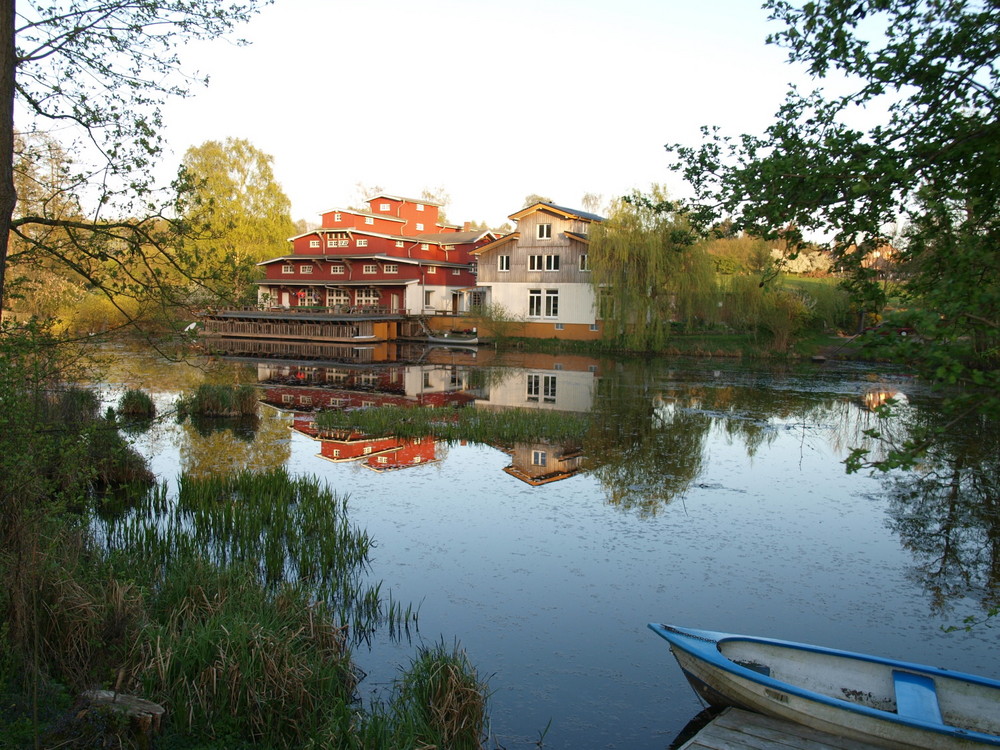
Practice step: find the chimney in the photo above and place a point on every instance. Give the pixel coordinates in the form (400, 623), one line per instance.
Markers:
(467, 226)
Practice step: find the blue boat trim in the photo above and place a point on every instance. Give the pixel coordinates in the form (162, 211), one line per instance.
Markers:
(703, 644)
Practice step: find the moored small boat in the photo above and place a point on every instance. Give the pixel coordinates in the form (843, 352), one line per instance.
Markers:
(882, 701)
(453, 339)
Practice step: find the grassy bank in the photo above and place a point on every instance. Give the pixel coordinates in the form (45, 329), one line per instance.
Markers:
(234, 605)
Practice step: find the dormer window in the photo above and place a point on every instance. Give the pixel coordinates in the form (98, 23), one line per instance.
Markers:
(545, 231)
(383, 207)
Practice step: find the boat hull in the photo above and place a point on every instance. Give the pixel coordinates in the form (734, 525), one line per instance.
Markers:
(867, 714)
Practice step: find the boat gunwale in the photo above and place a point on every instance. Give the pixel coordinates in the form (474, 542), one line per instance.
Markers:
(704, 645)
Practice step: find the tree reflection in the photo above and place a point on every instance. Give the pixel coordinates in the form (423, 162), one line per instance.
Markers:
(223, 449)
(643, 446)
(947, 510)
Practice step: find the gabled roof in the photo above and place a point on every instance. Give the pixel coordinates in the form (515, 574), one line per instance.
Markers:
(456, 238)
(356, 212)
(404, 200)
(566, 213)
(507, 238)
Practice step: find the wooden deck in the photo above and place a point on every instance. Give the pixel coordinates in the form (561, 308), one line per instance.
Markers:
(734, 729)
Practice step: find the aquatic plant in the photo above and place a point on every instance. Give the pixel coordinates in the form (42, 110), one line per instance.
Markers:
(496, 427)
(136, 404)
(211, 400)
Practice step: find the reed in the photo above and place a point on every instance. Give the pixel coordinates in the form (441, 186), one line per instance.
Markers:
(136, 404)
(439, 702)
(502, 427)
(211, 400)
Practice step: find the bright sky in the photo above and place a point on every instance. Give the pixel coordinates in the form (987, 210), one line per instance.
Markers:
(491, 101)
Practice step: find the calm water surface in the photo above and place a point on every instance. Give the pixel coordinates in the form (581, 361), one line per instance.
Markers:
(707, 494)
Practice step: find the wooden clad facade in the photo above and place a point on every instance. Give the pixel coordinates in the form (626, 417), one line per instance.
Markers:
(540, 273)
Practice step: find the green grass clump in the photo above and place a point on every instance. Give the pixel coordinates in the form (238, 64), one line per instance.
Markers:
(502, 427)
(219, 401)
(136, 404)
(438, 702)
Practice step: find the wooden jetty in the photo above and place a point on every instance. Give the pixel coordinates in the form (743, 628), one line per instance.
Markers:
(735, 729)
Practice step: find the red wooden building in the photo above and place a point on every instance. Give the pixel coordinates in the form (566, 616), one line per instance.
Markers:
(396, 257)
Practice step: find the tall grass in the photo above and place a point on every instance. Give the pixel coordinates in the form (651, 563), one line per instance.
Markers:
(503, 427)
(219, 401)
(438, 702)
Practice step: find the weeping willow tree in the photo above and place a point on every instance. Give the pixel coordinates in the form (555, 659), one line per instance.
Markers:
(650, 274)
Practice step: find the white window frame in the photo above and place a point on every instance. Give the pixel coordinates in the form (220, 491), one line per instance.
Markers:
(288, 268)
(536, 262)
(584, 262)
(544, 232)
(361, 243)
(313, 243)
(420, 206)
(456, 272)
(369, 220)
(551, 303)
(331, 243)
(539, 458)
(425, 246)
(503, 263)
(552, 263)
(400, 243)
(369, 268)
(391, 268)
(338, 217)
(432, 269)
(535, 303)
(337, 269)
(306, 268)
(384, 207)
(420, 227)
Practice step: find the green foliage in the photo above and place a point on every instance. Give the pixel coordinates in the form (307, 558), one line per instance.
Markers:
(136, 403)
(497, 322)
(237, 213)
(648, 271)
(927, 72)
(438, 702)
(502, 427)
(219, 401)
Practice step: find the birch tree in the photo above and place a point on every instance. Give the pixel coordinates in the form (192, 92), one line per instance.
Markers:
(98, 72)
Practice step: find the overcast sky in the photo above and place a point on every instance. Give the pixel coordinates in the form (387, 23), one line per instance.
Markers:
(491, 101)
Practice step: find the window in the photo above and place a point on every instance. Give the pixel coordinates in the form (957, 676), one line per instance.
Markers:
(534, 303)
(337, 297)
(425, 246)
(313, 243)
(432, 269)
(383, 206)
(362, 243)
(288, 268)
(399, 243)
(337, 269)
(545, 231)
(534, 262)
(343, 243)
(369, 220)
(368, 296)
(503, 263)
(370, 268)
(449, 247)
(420, 206)
(367, 450)
(306, 268)
(584, 262)
(593, 326)
(551, 303)
(338, 217)
(538, 458)
(420, 227)
(331, 243)
(383, 459)
(287, 398)
(428, 298)
(336, 452)
(551, 262)
(306, 400)
(391, 268)
(456, 271)
(560, 327)
(541, 385)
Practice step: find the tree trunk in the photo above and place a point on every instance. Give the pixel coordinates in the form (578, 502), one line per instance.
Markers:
(8, 196)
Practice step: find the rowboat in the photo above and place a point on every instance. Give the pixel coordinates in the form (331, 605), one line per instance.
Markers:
(871, 699)
(453, 339)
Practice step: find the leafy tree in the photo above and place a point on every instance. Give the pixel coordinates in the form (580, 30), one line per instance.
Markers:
(100, 72)
(439, 196)
(648, 271)
(533, 198)
(927, 71)
(241, 214)
(591, 202)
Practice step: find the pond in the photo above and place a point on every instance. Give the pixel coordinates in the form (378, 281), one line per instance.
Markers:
(706, 493)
